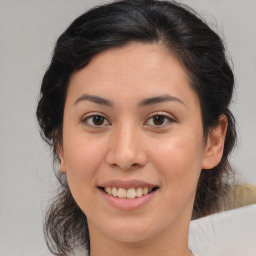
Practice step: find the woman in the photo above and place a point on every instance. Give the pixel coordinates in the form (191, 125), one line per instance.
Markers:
(135, 107)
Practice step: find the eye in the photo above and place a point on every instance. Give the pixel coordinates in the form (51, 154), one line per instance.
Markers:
(95, 121)
(159, 120)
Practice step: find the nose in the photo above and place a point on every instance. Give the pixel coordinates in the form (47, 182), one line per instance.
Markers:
(126, 149)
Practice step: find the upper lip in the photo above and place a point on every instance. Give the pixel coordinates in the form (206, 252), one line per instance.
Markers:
(127, 184)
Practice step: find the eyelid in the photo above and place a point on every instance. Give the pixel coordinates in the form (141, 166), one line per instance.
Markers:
(92, 114)
(170, 118)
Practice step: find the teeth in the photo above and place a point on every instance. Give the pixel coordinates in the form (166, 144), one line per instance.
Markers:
(139, 192)
(127, 193)
(121, 193)
(131, 193)
(109, 190)
(114, 191)
(145, 191)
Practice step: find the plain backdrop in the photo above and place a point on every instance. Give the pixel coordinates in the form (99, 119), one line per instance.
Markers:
(28, 32)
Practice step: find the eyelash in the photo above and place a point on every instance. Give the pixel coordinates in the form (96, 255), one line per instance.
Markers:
(86, 119)
(167, 120)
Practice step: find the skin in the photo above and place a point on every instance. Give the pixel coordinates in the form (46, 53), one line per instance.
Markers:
(130, 145)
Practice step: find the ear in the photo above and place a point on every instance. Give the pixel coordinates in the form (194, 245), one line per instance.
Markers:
(215, 144)
(61, 157)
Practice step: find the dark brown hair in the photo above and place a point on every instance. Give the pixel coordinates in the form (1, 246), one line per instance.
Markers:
(190, 39)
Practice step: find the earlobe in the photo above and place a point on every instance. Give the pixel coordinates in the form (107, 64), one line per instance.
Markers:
(61, 157)
(215, 144)
(62, 165)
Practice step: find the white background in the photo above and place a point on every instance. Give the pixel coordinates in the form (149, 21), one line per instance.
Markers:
(28, 31)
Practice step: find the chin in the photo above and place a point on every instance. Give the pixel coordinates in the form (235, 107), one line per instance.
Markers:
(131, 231)
(130, 236)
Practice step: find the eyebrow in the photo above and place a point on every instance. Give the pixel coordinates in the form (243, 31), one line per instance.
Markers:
(143, 103)
(160, 99)
(95, 99)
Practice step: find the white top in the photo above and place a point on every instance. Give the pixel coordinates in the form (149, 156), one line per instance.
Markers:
(230, 233)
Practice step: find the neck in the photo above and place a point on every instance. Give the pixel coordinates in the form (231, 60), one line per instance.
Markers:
(138, 250)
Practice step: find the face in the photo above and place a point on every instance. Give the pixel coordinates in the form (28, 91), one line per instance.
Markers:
(133, 145)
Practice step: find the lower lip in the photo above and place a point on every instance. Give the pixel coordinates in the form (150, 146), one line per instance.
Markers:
(128, 204)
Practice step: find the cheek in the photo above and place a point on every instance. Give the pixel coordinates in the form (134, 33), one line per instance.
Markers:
(178, 159)
(83, 156)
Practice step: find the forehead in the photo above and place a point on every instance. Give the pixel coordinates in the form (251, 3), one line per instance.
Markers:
(135, 69)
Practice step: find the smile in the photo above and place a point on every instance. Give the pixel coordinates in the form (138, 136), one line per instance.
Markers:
(129, 193)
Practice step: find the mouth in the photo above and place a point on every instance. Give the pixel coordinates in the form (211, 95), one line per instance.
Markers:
(128, 193)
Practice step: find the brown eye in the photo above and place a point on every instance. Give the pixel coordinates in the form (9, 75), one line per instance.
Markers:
(158, 120)
(96, 121)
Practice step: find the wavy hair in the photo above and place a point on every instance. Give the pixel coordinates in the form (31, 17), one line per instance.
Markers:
(195, 45)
